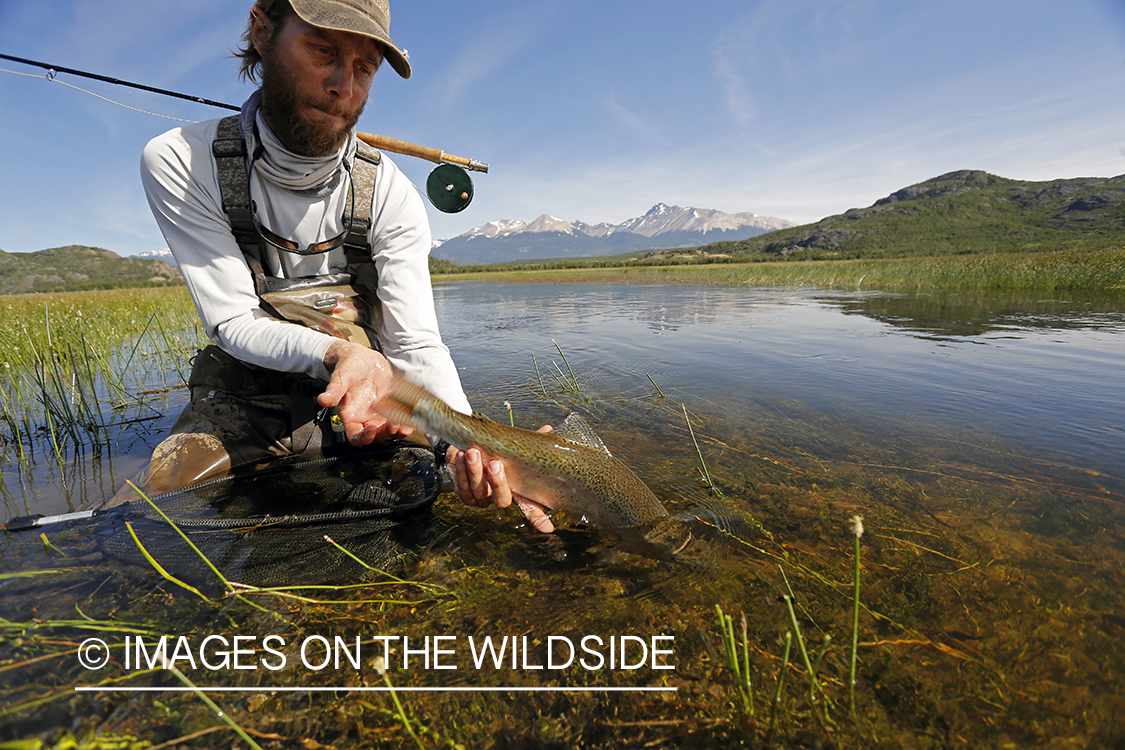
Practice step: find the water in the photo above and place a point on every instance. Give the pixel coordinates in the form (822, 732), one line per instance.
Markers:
(1040, 374)
(979, 435)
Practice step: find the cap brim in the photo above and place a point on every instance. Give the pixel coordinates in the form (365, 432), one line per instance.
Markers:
(348, 20)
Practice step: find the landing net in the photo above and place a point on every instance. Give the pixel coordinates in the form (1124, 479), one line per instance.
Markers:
(268, 527)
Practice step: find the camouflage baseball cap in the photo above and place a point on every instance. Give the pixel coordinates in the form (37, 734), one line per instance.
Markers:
(370, 18)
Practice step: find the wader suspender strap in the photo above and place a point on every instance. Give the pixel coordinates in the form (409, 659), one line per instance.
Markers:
(234, 188)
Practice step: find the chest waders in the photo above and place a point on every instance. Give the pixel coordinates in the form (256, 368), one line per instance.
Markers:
(344, 305)
(245, 416)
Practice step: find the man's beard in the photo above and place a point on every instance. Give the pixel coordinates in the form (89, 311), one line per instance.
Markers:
(281, 105)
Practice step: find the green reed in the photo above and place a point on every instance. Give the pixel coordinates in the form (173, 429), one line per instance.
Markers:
(780, 685)
(213, 706)
(857, 531)
(740, 667)
(1069, 269)
(739, 662)
(1046, 271)
(566, 382)
(573, 379)
(69, 361)
(409, 724)
(814, 685)
(706, 474)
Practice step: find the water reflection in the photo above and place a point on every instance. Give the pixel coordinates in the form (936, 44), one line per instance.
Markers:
(1039, 373)
(975, 313)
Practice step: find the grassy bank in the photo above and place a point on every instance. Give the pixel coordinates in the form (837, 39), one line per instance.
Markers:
(1045, 271)
(72, 360)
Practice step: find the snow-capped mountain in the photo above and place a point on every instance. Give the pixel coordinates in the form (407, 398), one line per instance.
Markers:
(164, 255)
(498, 228)
(548, 236)
(548, 223)
(662, 219)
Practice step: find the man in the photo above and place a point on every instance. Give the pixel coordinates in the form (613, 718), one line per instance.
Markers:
(286, 231)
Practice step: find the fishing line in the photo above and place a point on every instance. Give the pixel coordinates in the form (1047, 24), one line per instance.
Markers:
(50, 77)
(448, 187)
(52, 70)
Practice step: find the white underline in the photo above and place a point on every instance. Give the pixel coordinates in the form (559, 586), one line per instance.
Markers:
(377, 689)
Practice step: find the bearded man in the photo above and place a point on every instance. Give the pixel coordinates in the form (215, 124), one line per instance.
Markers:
(305, 253)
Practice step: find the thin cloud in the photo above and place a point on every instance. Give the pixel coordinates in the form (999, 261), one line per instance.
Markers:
(494, 45)
(629, 120)
(729, 53)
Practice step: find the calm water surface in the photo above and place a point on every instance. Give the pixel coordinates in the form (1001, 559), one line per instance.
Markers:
(1043, 374)
(981, 437)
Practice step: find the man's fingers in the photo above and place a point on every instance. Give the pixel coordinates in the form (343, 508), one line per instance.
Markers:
(461, 476)
(474, 464)
(501, 490)
(480, 485)
(332, 394)
(468, 475)
(535, 514)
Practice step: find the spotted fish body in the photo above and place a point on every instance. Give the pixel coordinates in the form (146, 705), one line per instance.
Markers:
(569, 469)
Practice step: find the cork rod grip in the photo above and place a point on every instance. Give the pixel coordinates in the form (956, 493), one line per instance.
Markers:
(436, 155)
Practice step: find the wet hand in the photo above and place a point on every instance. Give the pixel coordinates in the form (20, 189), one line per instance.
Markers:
(359, 377)
(482, 483)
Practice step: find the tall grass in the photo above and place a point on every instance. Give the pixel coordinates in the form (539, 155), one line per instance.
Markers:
(73, 365)
(1046, 271)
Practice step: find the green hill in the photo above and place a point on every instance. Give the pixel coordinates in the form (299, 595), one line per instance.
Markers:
(76, 267)
(956, 213)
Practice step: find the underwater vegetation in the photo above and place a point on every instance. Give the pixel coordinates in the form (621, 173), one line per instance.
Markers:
(851, 582)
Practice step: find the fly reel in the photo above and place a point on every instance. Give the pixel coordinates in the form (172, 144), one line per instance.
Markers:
(450, 188)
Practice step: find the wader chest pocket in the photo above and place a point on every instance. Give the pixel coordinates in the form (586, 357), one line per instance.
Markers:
(339, 311)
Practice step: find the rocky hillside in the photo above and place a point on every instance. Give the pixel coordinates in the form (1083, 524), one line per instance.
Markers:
(959, 212)
(77, 267)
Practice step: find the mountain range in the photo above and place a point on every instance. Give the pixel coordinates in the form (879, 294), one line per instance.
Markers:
(663, 227)
(164, 255)
(967, 211)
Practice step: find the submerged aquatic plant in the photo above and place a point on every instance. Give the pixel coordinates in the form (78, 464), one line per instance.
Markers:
(573, 382)
(739, 667)
(212, 705)
(706, 474)
(780, 680)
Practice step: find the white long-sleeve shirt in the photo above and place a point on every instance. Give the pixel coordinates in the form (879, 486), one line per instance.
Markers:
(181, 181)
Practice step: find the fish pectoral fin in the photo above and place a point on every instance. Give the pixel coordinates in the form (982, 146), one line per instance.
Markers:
(575, 430)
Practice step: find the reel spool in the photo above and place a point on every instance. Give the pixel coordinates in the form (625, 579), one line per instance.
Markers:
(448, 186)
(450, 189)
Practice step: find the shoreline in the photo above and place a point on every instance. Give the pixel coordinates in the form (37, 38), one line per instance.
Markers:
(1073, 269)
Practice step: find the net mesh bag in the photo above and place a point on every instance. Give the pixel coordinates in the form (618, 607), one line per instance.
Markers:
(268, 527)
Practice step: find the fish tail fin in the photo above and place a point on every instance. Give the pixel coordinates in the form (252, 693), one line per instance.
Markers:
(399, 402)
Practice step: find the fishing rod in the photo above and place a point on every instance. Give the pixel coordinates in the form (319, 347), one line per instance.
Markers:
(449, 188)
(52, 69)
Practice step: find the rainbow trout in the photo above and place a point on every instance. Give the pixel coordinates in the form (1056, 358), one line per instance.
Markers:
(569, 469)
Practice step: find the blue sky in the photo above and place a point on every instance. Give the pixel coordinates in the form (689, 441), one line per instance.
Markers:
(595, 110)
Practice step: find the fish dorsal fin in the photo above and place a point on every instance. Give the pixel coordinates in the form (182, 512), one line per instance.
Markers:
(575, 430)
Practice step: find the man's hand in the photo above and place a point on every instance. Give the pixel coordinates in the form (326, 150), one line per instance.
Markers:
(481, 483)
(359, 377)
